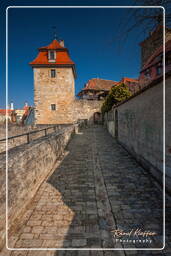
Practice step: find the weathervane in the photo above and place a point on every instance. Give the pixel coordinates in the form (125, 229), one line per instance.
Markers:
(54, 32)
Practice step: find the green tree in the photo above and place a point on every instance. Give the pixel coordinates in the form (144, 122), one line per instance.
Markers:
(117, 93)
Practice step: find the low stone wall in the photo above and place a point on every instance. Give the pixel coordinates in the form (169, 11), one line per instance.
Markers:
(138, 125)
(15, 130)
(28, 165)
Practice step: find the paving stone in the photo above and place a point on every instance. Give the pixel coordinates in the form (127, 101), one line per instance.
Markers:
(37, 229)
(79, 242)
(18, 253)
(29, 243)
(27, 236)
(98, 187)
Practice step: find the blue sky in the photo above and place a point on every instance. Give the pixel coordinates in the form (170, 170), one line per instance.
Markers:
(91, 35)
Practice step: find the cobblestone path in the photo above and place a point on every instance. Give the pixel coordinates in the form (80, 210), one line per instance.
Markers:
(97, 188)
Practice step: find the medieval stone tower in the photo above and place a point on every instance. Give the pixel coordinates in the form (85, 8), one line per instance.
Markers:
(54, 84)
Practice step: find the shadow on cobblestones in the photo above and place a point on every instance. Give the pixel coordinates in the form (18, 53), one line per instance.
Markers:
(97, 188)
(74, 179)
(135, 202)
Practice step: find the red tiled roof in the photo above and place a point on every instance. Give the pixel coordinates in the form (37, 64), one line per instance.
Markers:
(26, 108)
(158, 51)
(62, 56)
(127, 79)
(52, 46)
(99, 84)
(5, 111)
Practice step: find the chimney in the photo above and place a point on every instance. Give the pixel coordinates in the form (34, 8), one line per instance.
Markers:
(62, 43)
(12, 106)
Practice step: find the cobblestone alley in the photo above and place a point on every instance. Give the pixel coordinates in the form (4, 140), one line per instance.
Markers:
(96, 188)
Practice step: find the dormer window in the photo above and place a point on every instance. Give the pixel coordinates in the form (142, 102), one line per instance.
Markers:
(52, 56)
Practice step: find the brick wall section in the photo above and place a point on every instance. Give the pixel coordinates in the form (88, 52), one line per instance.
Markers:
(140, 129)
(28, 166)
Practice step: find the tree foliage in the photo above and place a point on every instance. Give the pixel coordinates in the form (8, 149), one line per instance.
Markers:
(117, 93)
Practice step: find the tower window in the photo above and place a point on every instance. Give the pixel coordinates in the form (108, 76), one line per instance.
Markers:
(52, 55)
(53, 106)
(53, 73)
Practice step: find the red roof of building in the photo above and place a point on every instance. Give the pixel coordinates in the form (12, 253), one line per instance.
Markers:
(5, 111)
(127, 79)
(62, 55)
(52, 46)
(99, 84)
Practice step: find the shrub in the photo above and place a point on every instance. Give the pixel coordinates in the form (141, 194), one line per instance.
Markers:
(117, 94)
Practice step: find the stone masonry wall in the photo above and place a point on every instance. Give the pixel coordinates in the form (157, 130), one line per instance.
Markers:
(140, 129)
(85, 109)
(58, 90)
(17, 130)
(28, 165)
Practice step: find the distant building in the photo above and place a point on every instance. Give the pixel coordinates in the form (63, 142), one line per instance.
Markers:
(153, 42)
(19, 114)
(28, 117)
(7, 114)
(153, 68)
(133, 84)
(23, 116)
(96, 89)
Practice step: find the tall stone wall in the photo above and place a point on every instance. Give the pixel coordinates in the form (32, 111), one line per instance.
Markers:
(28, 166)
(138, 126)
(58, 90)
(85, 109)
